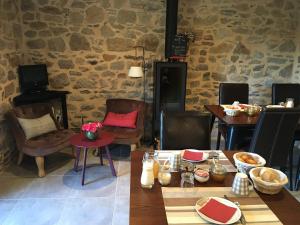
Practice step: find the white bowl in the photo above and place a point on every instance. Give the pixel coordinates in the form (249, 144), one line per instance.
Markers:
(201, 179)
(246, 167)
(232, 112)
(265, 186)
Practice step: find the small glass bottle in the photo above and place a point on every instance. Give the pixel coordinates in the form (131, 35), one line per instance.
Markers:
(147, 178)
(164, 175)
(289, 103)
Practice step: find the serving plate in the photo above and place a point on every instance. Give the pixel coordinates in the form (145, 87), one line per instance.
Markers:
(204, 156)
(236, 216)
(275, 106)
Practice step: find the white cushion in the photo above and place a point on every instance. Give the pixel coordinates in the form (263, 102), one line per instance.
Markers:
(38, 126)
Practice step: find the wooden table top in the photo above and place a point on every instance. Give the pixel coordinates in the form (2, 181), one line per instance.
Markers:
(241, 120)
(147, 206)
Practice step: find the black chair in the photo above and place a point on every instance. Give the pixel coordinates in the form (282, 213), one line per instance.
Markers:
(280, 92)
(228, 93)
(274, 135)
(180, 130)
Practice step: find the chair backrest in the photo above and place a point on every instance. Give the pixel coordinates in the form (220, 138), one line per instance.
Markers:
(180, 130)
(280, 92)
(274, 134)
(230, 92)
(118, 105)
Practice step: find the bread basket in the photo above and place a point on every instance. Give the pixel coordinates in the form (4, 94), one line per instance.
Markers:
(270, 188)
(246, 167)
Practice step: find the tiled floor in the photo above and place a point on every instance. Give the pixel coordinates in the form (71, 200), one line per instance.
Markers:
(59, 198)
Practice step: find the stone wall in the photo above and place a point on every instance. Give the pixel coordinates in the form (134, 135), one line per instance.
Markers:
(239, 41)
(88, 47)
(10, 57)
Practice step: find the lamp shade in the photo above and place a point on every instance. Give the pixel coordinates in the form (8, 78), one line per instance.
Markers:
(135, 71)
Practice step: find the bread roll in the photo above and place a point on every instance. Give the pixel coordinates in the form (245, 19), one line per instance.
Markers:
(269, 175)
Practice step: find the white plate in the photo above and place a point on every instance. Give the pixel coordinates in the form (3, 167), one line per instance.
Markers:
(205, 155)
(275, 106)
(236, 216)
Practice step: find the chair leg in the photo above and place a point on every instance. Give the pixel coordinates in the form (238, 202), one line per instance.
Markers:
(20, 158)
(138, 144)
(40, 162)
(218, 140)
(297, 180)
(291, 165)
(133, 147)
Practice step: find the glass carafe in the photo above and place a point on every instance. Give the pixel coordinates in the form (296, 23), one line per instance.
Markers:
(147, 178)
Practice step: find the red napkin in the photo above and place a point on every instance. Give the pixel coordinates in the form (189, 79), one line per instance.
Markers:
(195, 156)
(217, 211)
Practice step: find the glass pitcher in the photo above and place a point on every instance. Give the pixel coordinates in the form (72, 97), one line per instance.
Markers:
(147, 177)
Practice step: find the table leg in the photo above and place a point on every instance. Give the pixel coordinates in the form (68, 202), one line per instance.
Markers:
(84, 164)
(111, 164)
(213, 118)
(100, 156)
(291, 159)
(231, 137)
(77, 159)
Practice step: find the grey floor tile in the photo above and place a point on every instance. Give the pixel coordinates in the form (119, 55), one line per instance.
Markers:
(35, 211)
(88, 211)
(6, 206)
(13, 187)
(51, 187)
(121, 211)
(99, 182)
(123, 187)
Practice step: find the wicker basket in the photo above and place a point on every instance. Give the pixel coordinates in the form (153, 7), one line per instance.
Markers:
(267, 187)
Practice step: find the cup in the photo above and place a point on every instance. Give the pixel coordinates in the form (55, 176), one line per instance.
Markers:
(241, 184)
(175, 160)
(187, 180)
(289, 103)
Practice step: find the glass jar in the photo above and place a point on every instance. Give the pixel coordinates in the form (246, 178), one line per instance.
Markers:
(164, 175)
(154, 156)
(218, 172)
(147, 177)
(289, 103)
(187, 180)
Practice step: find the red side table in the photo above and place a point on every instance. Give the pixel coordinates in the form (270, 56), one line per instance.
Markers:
(80, 141)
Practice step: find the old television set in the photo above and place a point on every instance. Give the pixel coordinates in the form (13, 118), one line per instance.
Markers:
(33, 78)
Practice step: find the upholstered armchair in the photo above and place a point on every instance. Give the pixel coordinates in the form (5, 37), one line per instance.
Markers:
(37, 140)
(126, 135)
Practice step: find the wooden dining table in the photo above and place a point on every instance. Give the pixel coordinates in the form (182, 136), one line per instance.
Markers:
(234, 124)
(147, 205)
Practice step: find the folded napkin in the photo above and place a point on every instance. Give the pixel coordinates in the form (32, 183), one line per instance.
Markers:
(191, 155)
(217, 211)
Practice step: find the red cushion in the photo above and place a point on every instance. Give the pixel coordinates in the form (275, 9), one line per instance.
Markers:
(121, 120)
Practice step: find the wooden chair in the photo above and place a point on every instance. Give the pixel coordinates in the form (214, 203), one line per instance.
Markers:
(180, 130)
(126, 136)
(39, 146)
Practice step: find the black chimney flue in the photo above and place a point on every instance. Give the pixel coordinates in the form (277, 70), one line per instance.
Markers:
(171, 26)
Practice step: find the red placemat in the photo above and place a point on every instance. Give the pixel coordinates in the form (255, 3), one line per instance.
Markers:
(191, 155)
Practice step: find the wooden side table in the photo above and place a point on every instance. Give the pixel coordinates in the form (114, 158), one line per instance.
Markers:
(79, 141)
